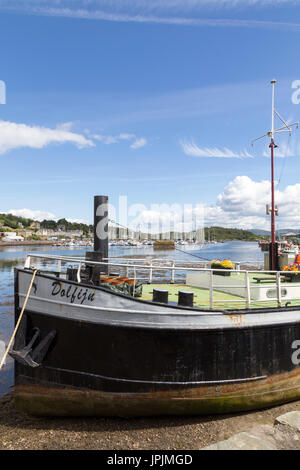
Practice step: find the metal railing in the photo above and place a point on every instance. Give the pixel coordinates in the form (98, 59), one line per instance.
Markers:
(171, 266)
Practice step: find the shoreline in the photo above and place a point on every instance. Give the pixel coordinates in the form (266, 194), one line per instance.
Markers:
(51, 243)
(27, 243)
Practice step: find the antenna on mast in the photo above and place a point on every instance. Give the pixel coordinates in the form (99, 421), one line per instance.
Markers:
(285, 128)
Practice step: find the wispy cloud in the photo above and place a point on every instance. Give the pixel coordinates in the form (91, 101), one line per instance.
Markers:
(14, 135)
(176, 12)
(181, 21)
(112, 139)
(142, 6)
(190, 103)
(138, 142)
(290, 149)
(193, 150)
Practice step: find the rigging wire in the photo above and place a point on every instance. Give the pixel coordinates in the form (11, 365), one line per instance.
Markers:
(191, 254)
(284, 162)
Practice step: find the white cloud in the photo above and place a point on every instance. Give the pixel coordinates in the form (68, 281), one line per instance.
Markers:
(190, 148)
(169, 217)
(32, 214)
(77, 221)
(138, 143)
(243, 203)
(40, 215)
(14, 135)
(105, 139)
(126, 136)
(65, 126)
(245, 196)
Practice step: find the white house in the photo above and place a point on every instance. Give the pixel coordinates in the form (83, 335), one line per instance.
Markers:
(11, 236)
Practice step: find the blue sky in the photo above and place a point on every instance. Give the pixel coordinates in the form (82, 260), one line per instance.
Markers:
(156, 103)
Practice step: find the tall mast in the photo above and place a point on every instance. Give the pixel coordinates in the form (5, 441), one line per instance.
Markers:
(285, 128)
(272, 146)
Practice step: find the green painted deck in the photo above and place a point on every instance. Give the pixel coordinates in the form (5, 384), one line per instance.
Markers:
(224, 300)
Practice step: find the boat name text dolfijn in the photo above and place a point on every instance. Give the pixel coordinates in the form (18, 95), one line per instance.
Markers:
(72, 292)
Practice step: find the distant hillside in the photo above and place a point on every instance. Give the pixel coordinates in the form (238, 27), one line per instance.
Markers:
(267, 233)
(222, 233)
(14, 222)
(260, 232)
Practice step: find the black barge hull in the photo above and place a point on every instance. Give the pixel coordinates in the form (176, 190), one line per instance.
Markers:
(106, 361)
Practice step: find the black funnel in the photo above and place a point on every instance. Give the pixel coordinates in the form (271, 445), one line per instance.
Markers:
(100, 252)
(101, 225)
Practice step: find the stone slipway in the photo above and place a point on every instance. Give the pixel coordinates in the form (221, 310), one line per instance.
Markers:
(284, 434)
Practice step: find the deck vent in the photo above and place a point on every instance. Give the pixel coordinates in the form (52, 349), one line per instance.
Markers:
(72, 274)
(186, 298)
(272, 293)
(160, 295)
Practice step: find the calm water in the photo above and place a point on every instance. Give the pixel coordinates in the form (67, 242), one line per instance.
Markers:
(11, 257)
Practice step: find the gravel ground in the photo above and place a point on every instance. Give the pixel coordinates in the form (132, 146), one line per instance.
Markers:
(169, 433)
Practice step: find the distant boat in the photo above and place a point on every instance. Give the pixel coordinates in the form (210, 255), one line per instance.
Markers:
(164, 245)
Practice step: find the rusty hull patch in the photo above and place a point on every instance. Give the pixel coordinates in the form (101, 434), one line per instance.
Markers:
(227, 398)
